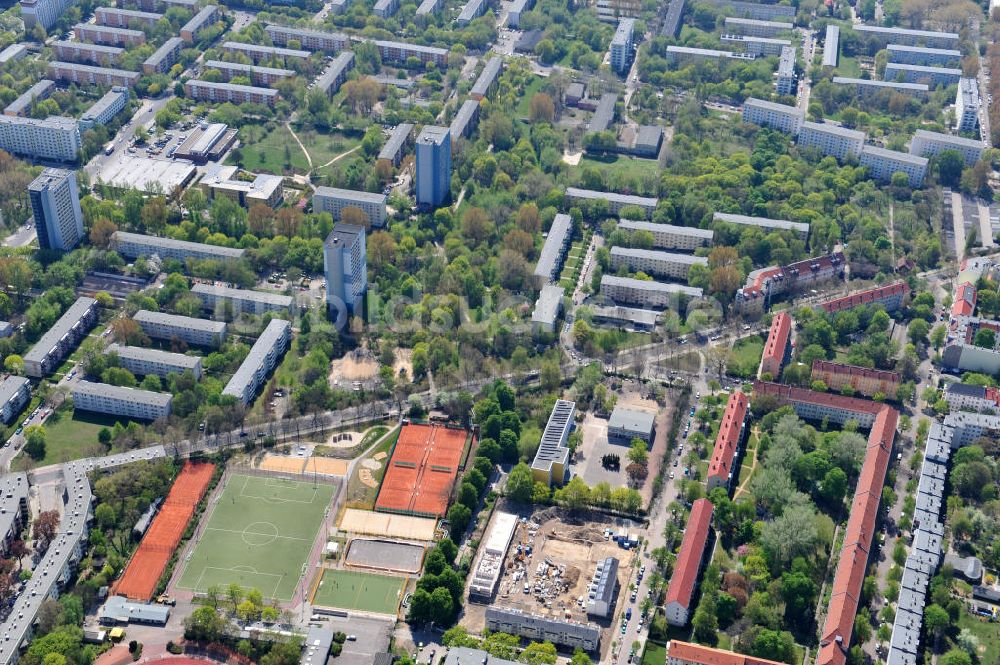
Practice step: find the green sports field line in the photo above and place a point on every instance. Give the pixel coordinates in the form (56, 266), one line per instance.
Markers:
(367, 592)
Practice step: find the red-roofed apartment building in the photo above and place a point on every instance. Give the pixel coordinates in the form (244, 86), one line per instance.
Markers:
(862, 380)
(727, 443)
(688, 567)
(890, 297)
(686, 653)
(965, 300)
(776, 347)
(835, 638)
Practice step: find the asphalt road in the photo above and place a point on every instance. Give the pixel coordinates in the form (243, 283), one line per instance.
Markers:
(24, 235)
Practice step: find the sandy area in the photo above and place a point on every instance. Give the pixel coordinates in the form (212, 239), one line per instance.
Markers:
(359, 365)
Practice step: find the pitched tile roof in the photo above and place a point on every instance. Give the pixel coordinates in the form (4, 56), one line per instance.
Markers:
(688, 564)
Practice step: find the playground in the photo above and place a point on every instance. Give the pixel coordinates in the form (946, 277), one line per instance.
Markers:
(258, 535)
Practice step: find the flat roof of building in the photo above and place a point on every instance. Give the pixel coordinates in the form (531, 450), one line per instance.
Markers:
(247, 370)
(894, 155)
(182, 245)
(249, 89)
(96, 48)
(658, 255)
(122, 393)
(624, 199)
(73, 314)
(464, 116)
(276, 299)
(763, 222)
(105, 102)
(199, 19)
(889, 85)
(837, 130)
(772, 106)
(176, 320)
(10, 386)
(898, 48)
(551, 448)
(653, 227)
(831, 45)
(604, 114)
(258, 69)
(416, 48)
(343, 61)
(164, 50)
(351, 194)
(274, 50)
(632, 420)
(649, 285)
(623, 33)
(144, 173)
(486, 77)
(555, 245)
(37, 91)
(880, 30)
(396, 139)
(142, 354)
(925, 69)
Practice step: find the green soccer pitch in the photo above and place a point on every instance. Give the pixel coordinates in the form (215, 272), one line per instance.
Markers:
(258, 535)
(366, 592)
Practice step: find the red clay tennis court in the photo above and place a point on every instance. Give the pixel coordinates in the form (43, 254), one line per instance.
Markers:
(138, 582)
(422, 471)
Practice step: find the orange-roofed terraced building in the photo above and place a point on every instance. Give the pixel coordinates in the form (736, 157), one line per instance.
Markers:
(727, 443)
(422, 470)
(680, 593)
(777, 345)
(835, 638)
(686, 653)
(890, 297)
(965, 300)
(862, 380)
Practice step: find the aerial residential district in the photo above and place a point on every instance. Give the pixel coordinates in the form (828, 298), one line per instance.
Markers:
(484, 332)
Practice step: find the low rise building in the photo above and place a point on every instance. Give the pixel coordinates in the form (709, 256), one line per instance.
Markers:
(517, 8)
(781, 117)
(164, 57)
(69, 72)
(385, 8)
(15, 391)
(125, 18)
(335, 75)
(798, 228)
(121, 401)
(968, 397)
(553, 252)
(197, 332)
(264, 188)
(143, 362)
(206, 16)
(616, 202)
(680, 593)
(883, 36)
(134, 245)
(687, 653)
(764, 284)
(860, 380)
(932, 76)
(655, 262)
(264, 356)
(547, 307)
(758, 46)
(882, 164)
(919, 55)
(759, 11)
(680, 56)
(59, 340)
(831, 45)
(755, 28)
(612, 11)
(603, 588)
(207, 142)
(96, 54)
(890, 297)
(13, 53)
(392, 151)
(869, 87)
(723, 465)
(566, 633)
(552, 457)
(931, 144)
(26, 101)
(120, 611)
(223, 300)
(472, 10)
(487, 80)
(778, 346)
(624, 425)
(429, 7)
(400, 52)
(334, 200)
(831, 140)
(313, 40)
(205, 91)
(604, 113)
(465, 121)
(102, 34)
(259, 53)
(106, 108)
(629, 318)
(668, 236)
(647, 293)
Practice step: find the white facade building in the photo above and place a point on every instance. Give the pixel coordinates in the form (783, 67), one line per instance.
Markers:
(929, 144)
(55, 204)
(142, 361)
(882, 163)
(646, 293)
(656, 263)
(781, 117)
(668, 236)
(260, 362)
(134, 245)
(121, 401)
(967, 105)
(831, 140)
(199, 332)
(241, 300)
(55, 138)
(333, 200)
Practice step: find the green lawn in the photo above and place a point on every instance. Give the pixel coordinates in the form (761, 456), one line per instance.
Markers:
(988, 634)
(349, 590)
(265, 150)
(360, 495)
(655, 654)
(73, 435)
(622, 165)
(746, 357)
(258, 535)
(524, 105)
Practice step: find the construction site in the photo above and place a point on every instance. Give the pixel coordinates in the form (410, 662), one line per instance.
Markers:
(548, 568)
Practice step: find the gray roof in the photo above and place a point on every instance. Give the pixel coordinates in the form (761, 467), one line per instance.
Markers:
(406, 46)
(898, 48)
(198, 21)
(464, 116)
(969, 566)
(736, 20)
(653, 227)
(763, 222)
(351, 194)
(831, 45)
(604, 114)
(265, 50)
(649, 285)
(827, 128)
(316, 648)
(11, 387)
(102, 104)
(467, 656)
(566, 629)
(252, 69)
(40, 90)
(623, 33)
(632, 420)
(658, 255)
(182, 245)
(276, 299)
(554, 247)
(471, 10)
(162, 318)
(624, 199)
(551, 447)
(122, 393)
(786, 64)
(59, 329)
(915, 580)
(166, 48)
(431, 135)
(637, 315)
(672, 20)
(143, 354)
(13, 490)
(893, 155)
(110, 30)
(396, 140)
(926, 69)
(96, 48)
(547, 306)
(879, 30)
(489, 74)
(289, 31)
(131, 13)
(244, 376)
(605, 581)
(888, 85)
(119, 609)
(266, 92)
(954, 140)
(772, 106)
(343, 62)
